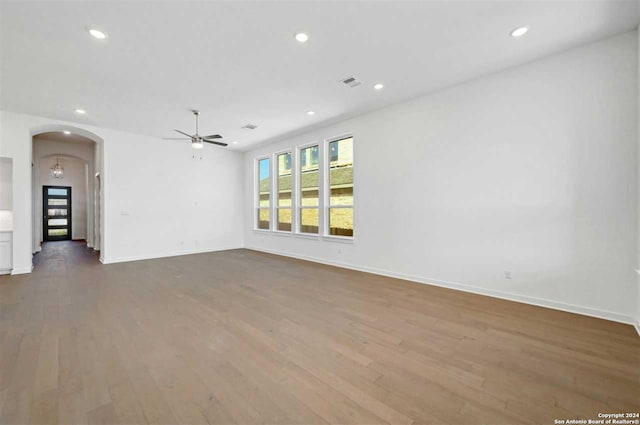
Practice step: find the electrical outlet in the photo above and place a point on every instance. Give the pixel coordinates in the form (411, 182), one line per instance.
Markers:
(507, 274)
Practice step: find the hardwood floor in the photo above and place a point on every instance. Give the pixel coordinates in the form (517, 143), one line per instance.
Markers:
(241, 337)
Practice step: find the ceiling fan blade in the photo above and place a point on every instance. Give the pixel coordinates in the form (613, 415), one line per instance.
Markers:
(182, 132)
(213, 136)
(214, 143)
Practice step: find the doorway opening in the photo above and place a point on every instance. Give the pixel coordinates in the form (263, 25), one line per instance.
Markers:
(56, 213)
(65, 162)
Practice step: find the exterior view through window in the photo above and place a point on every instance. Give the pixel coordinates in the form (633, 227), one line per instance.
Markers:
(309, 190)
(312, 190)
(340, 209)
(264, 193)
(284, 182)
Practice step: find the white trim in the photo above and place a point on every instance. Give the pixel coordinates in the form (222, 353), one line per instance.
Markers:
(637, 326)
(256, 193)
(282, 233)
(325, 200)
(312, 236)
(339, 239)
(174, 254)
(540, 302)
(22, 270)
(298, 182)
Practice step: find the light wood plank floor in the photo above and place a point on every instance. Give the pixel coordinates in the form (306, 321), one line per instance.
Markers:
(241, 337)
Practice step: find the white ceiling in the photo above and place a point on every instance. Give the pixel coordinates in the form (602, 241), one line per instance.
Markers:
(239, 63)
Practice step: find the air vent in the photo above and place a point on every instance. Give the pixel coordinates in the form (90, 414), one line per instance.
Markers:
(250, 126)
(351, 82)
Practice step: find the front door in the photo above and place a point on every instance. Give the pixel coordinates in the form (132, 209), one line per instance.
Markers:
(56, 208)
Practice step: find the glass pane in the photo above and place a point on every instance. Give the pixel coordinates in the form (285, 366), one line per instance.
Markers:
(263, 218)
(342, 195)
(309, 220)
(53, 202)
(56, 211)
(309, 177)
(284, 199)
(309, 198)
(57, 232)
(59, 192)
(284, 180)
(341, 221)
(309, 158)
(284, 219)
(341, 172)
(264, 182)
(57, 222)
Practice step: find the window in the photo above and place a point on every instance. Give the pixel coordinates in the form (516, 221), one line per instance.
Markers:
(264, 194)
(309, 204)
(283, 190)
(340, 178)
(311, 191)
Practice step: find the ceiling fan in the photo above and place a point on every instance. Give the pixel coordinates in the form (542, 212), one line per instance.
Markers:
(198, 141)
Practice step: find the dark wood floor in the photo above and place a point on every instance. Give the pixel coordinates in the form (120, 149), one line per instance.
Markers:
(249, 338)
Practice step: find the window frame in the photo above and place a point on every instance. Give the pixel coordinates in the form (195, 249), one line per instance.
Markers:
(298, 179)
(276, 194)
(326, 202)
(256, 197)
(324, 191)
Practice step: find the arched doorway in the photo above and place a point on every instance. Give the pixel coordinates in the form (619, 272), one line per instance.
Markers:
(82, 151)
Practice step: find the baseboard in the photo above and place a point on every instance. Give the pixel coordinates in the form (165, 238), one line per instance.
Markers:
(637, 326)
(165, 255)
(540, 302)
(22, 270)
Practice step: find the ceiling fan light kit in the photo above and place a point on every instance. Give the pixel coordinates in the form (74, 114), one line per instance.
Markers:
(198, 141)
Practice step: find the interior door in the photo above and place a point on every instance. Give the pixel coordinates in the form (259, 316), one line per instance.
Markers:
(56, 206)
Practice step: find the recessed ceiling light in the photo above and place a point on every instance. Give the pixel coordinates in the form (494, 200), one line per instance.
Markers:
(519, 32)
(378, 86)
(234, 142)
(97, 33)
(80, 111)
(302, 37)
(311, 113)
(67, 132)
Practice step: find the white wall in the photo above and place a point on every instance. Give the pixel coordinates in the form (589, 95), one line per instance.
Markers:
(156, 200)
(6, 194)
(530, 170)
(75, 176)
(160, 201)
(6, 188)
(637, 324)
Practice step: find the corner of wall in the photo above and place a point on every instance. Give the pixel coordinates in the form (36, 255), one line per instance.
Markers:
(637, 319)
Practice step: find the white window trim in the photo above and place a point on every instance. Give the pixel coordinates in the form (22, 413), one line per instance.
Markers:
(298, 205)
(327, 191)
(256, 195)
(323, 192)
(276, 193)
